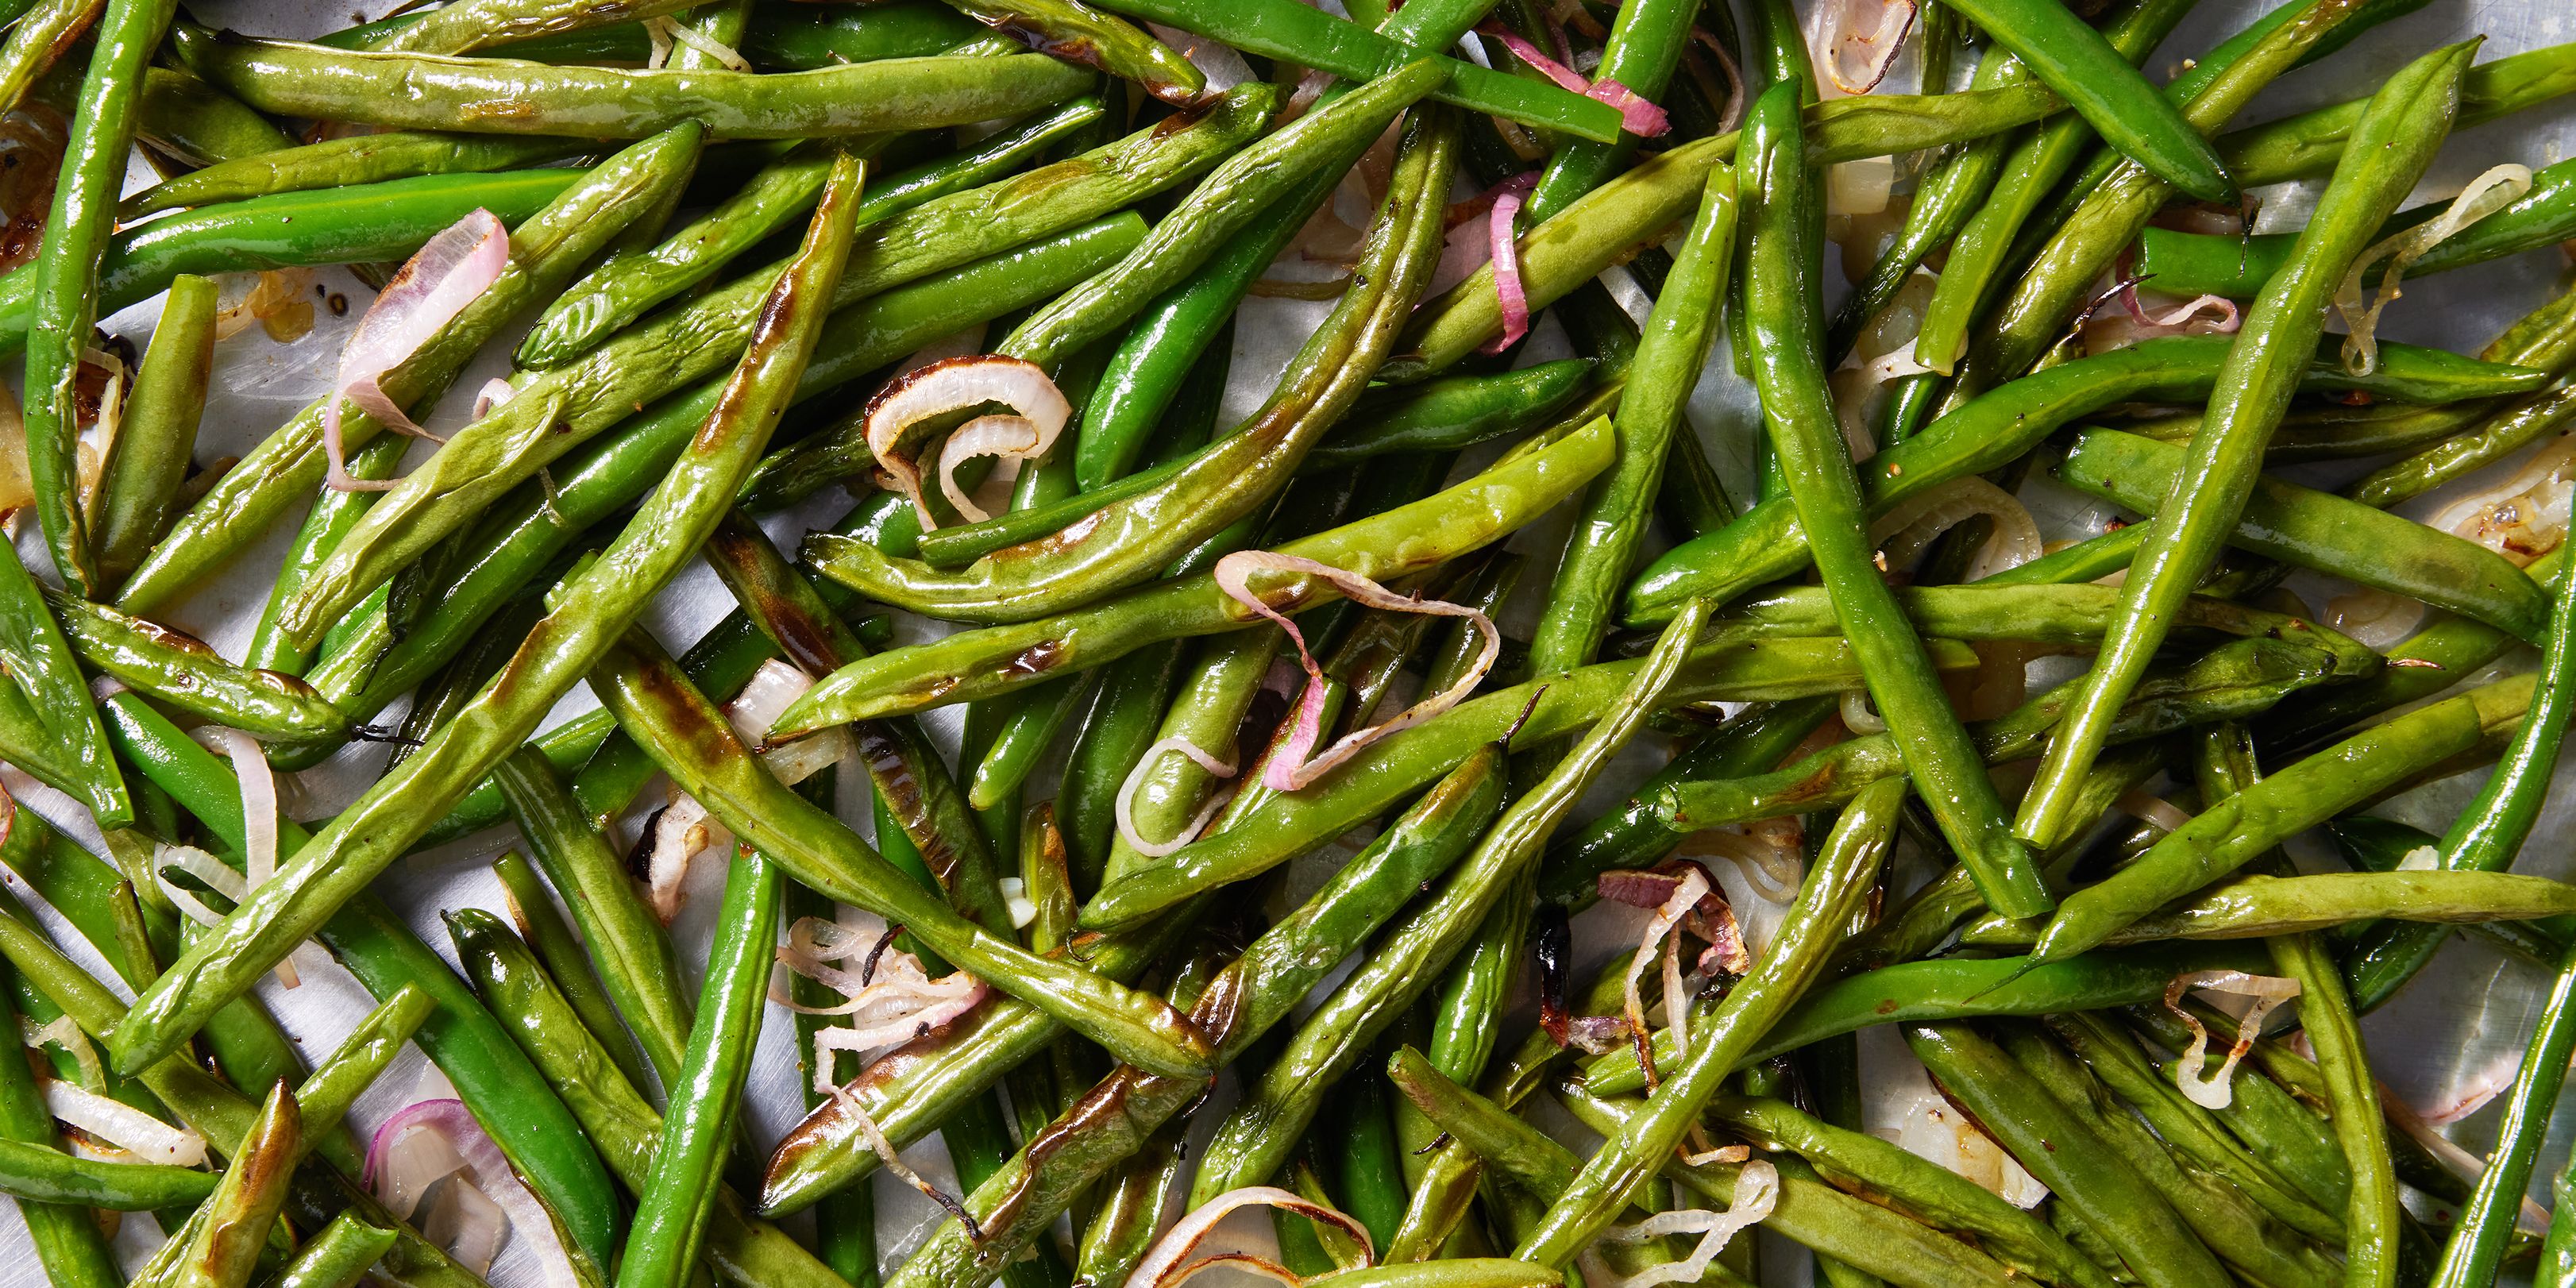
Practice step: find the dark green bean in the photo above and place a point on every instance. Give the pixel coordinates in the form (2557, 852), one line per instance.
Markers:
(2106, 91)
(2310, 143)
(337, 1257)
(148, 459)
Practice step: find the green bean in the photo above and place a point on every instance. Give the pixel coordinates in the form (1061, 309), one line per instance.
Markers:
(560, 226)
(38, 38)
(2085, 243)
(2491, 829)
(1993, 430)
(199, 124)
(2321, 530)
(1932, 1193)
(2383, 845)
(68, 1245)
(1253, 1139)
(1504, 1142)
(2280, 1130)
(253, 1190)
(800, 38)
(1123, 1228)
(1785, 326)
(2226, 836)
(1612, 524)
(2259, 906)
(2107, 92)
(1610, 223)
(1856, 1231)
(340, 861)
(213, 1110)
(361, 1058)
(673, 1208)
(1835, 886)
(473, 24)
(182, 671)
(246, 1043)
(42, 1174)
(560, 409)
(639, 968)
(2310, 143)
(1080, 34)
(2056, 1143)
(361, 159)
(614, 295)
(1000, 659)
(2394, 142)
(532, 911)
(1313, 38)
(692, 743)
(444, 93)
(337, 1257)
(2242, 678)
(148, 459)
(66, 281)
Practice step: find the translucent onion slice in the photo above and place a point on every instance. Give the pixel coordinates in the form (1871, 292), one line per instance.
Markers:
(1289, 768)
(259, 813)
(1757, 1192)
(2528, 515)
(2268, 991)
(445, 1125)
(1861, 40)
(122, 1125)
(2485, 195)
(453, 270)
(1904, 532)
(2155, 810)
(1692, 884)
(206, 868)
(1503, 243)
(1126, 801)
(962, 384)
(1163, 1268)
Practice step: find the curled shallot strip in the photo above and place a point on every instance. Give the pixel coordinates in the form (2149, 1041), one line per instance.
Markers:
(1686, 893)
(122, 1125)
(1503, 248)
(453, 270)
(1290, 770)
(1732, 114)
(1125, 807)
(1757, 1191)
(1163, 1268)
(2485, 195)
(1857, 60)
(1905, 531)
(2268, 991)
(962, 384)
(259, 814)
(2152, 809)
(1636, 115)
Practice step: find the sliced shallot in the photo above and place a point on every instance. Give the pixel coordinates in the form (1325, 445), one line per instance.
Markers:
(2268, 991)
(205, 868)
(1860, 46)
(1905, 531)
(961, 384)
(453, 270)
(122, 1125)
(442, 1128)
(1290, 769)
(259, 813)
(2485, 195)
(1162, 1266)
(1126, 803)
(1665, 924)
(1503, 242)
(1636, 115)
(1757, 1191)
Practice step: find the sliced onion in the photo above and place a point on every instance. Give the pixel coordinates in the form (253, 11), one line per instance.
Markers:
(770, 690)
(1636, 115)
(453, 270)
(64, 1033)
(2469, 1166)
(1005, 437)
(1757, 1191)
(1859, 45)
(1732, 114)
(1857, 715)
(2375, 617)
(1598, 1034)
(677, 833)
(122, 1125)
(1504, 248)
(2268, 991)
(2182, 317)
(444, 1126)
(259, 814)
(31, 160)
(1722, 1154)
(1215, 59)
(2485, 195)
(2489, 1086)
(2153, 810)
(17, 486)
(494, 392)
(1289, 768)
(1860, 187)
(1936, 1133)
(213, 872)
(678, 32)
(1126, 802)
(958, 384)
(1162, 1266)
(1772, 868)
(2528, 515)
(1905, 531)
(891, 987)
(468, 1225)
